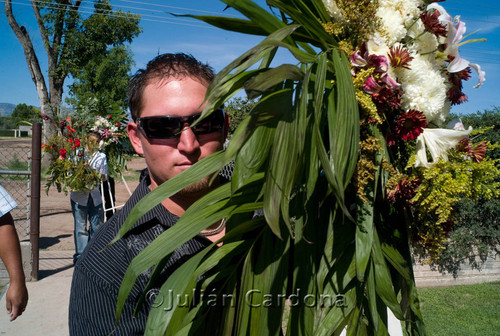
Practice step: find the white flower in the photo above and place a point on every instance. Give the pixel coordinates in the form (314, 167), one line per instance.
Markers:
(395, 17)
(437, 141)
(425, 89)
(456, 30)
(333, 10)
(377, 45)
(424, 42)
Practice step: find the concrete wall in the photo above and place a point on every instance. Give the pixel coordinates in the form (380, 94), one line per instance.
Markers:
(490, 271)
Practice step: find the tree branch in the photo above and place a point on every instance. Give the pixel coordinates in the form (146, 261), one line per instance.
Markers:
(29, 52)
(43, 32)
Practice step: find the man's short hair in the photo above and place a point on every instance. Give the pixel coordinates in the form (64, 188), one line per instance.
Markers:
(163, 66)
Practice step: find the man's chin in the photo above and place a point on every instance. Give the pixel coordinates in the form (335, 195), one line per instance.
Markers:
(198, 188)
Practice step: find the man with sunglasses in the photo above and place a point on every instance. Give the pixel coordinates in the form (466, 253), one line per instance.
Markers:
(164, 100)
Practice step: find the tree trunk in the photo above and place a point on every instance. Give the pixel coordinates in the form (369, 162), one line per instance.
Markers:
(36, 73)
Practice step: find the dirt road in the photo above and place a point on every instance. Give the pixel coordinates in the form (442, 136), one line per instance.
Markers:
(56, 220)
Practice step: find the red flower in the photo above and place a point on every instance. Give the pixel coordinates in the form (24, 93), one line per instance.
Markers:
(69, 140)
(402, 194)
(110, 116)
(431, 23)
(77, 143)
(464, 145)
(400, 57)
(456, 96)
(117, 124)
(62, 153)
(389, 139)
(478, 152)
(410, 125)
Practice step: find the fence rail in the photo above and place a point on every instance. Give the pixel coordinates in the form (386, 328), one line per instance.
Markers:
(15, 176)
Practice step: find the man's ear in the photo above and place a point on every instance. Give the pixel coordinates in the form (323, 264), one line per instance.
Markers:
(134, 136)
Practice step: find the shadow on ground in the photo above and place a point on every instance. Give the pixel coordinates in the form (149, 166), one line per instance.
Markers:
(46, 273)
(46, 242)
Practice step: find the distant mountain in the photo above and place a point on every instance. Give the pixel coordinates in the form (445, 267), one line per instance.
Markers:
(6, 109)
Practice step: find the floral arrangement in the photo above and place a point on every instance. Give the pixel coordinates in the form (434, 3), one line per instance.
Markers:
(408, 73)
(347, 156)
(115, 144)
(69, 168)
(69, 153)
(107, 130)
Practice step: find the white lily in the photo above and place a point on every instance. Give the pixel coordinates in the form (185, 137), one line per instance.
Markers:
(456, 31)
(438, 141)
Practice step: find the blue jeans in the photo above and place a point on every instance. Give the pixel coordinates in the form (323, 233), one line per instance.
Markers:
(95, 215)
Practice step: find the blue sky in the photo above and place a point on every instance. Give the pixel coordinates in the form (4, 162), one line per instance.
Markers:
(163, 33)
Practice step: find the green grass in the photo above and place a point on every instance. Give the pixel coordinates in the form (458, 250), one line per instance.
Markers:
(462, 310)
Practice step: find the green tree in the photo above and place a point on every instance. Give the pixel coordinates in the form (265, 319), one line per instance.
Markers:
(6, 122)
(475, 233)
(102, 84)
(238, 109)
(24, 114)
(70, 40)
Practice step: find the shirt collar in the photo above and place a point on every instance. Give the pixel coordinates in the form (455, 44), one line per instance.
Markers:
(159, 213)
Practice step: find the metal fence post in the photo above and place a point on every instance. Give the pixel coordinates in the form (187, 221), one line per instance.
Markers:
(36, 156)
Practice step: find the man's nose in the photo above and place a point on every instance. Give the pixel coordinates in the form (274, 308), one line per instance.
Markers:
(188, 142)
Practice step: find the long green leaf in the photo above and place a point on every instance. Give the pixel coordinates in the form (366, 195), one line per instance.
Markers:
(371, 295)
(334, 322)
(365, 229)
(279, 181)
(383, 279)
(270, 268)
(231, 24)
(218, 91)
(184, 279)
(212, 207)
(256, 14)
(310, 23)
(169, 240)
(204, 167)
(264, 81)
(345, 139)
(166, 303)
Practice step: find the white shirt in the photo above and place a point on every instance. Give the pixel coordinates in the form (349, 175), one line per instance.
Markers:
(99, 163)
(7, 203)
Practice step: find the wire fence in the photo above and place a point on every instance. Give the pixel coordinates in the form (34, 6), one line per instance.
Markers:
(15, 177)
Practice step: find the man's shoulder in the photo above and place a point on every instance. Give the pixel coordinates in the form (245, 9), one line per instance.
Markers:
(100, 251)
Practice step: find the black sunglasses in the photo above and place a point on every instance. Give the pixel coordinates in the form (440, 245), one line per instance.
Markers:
(168, 127)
